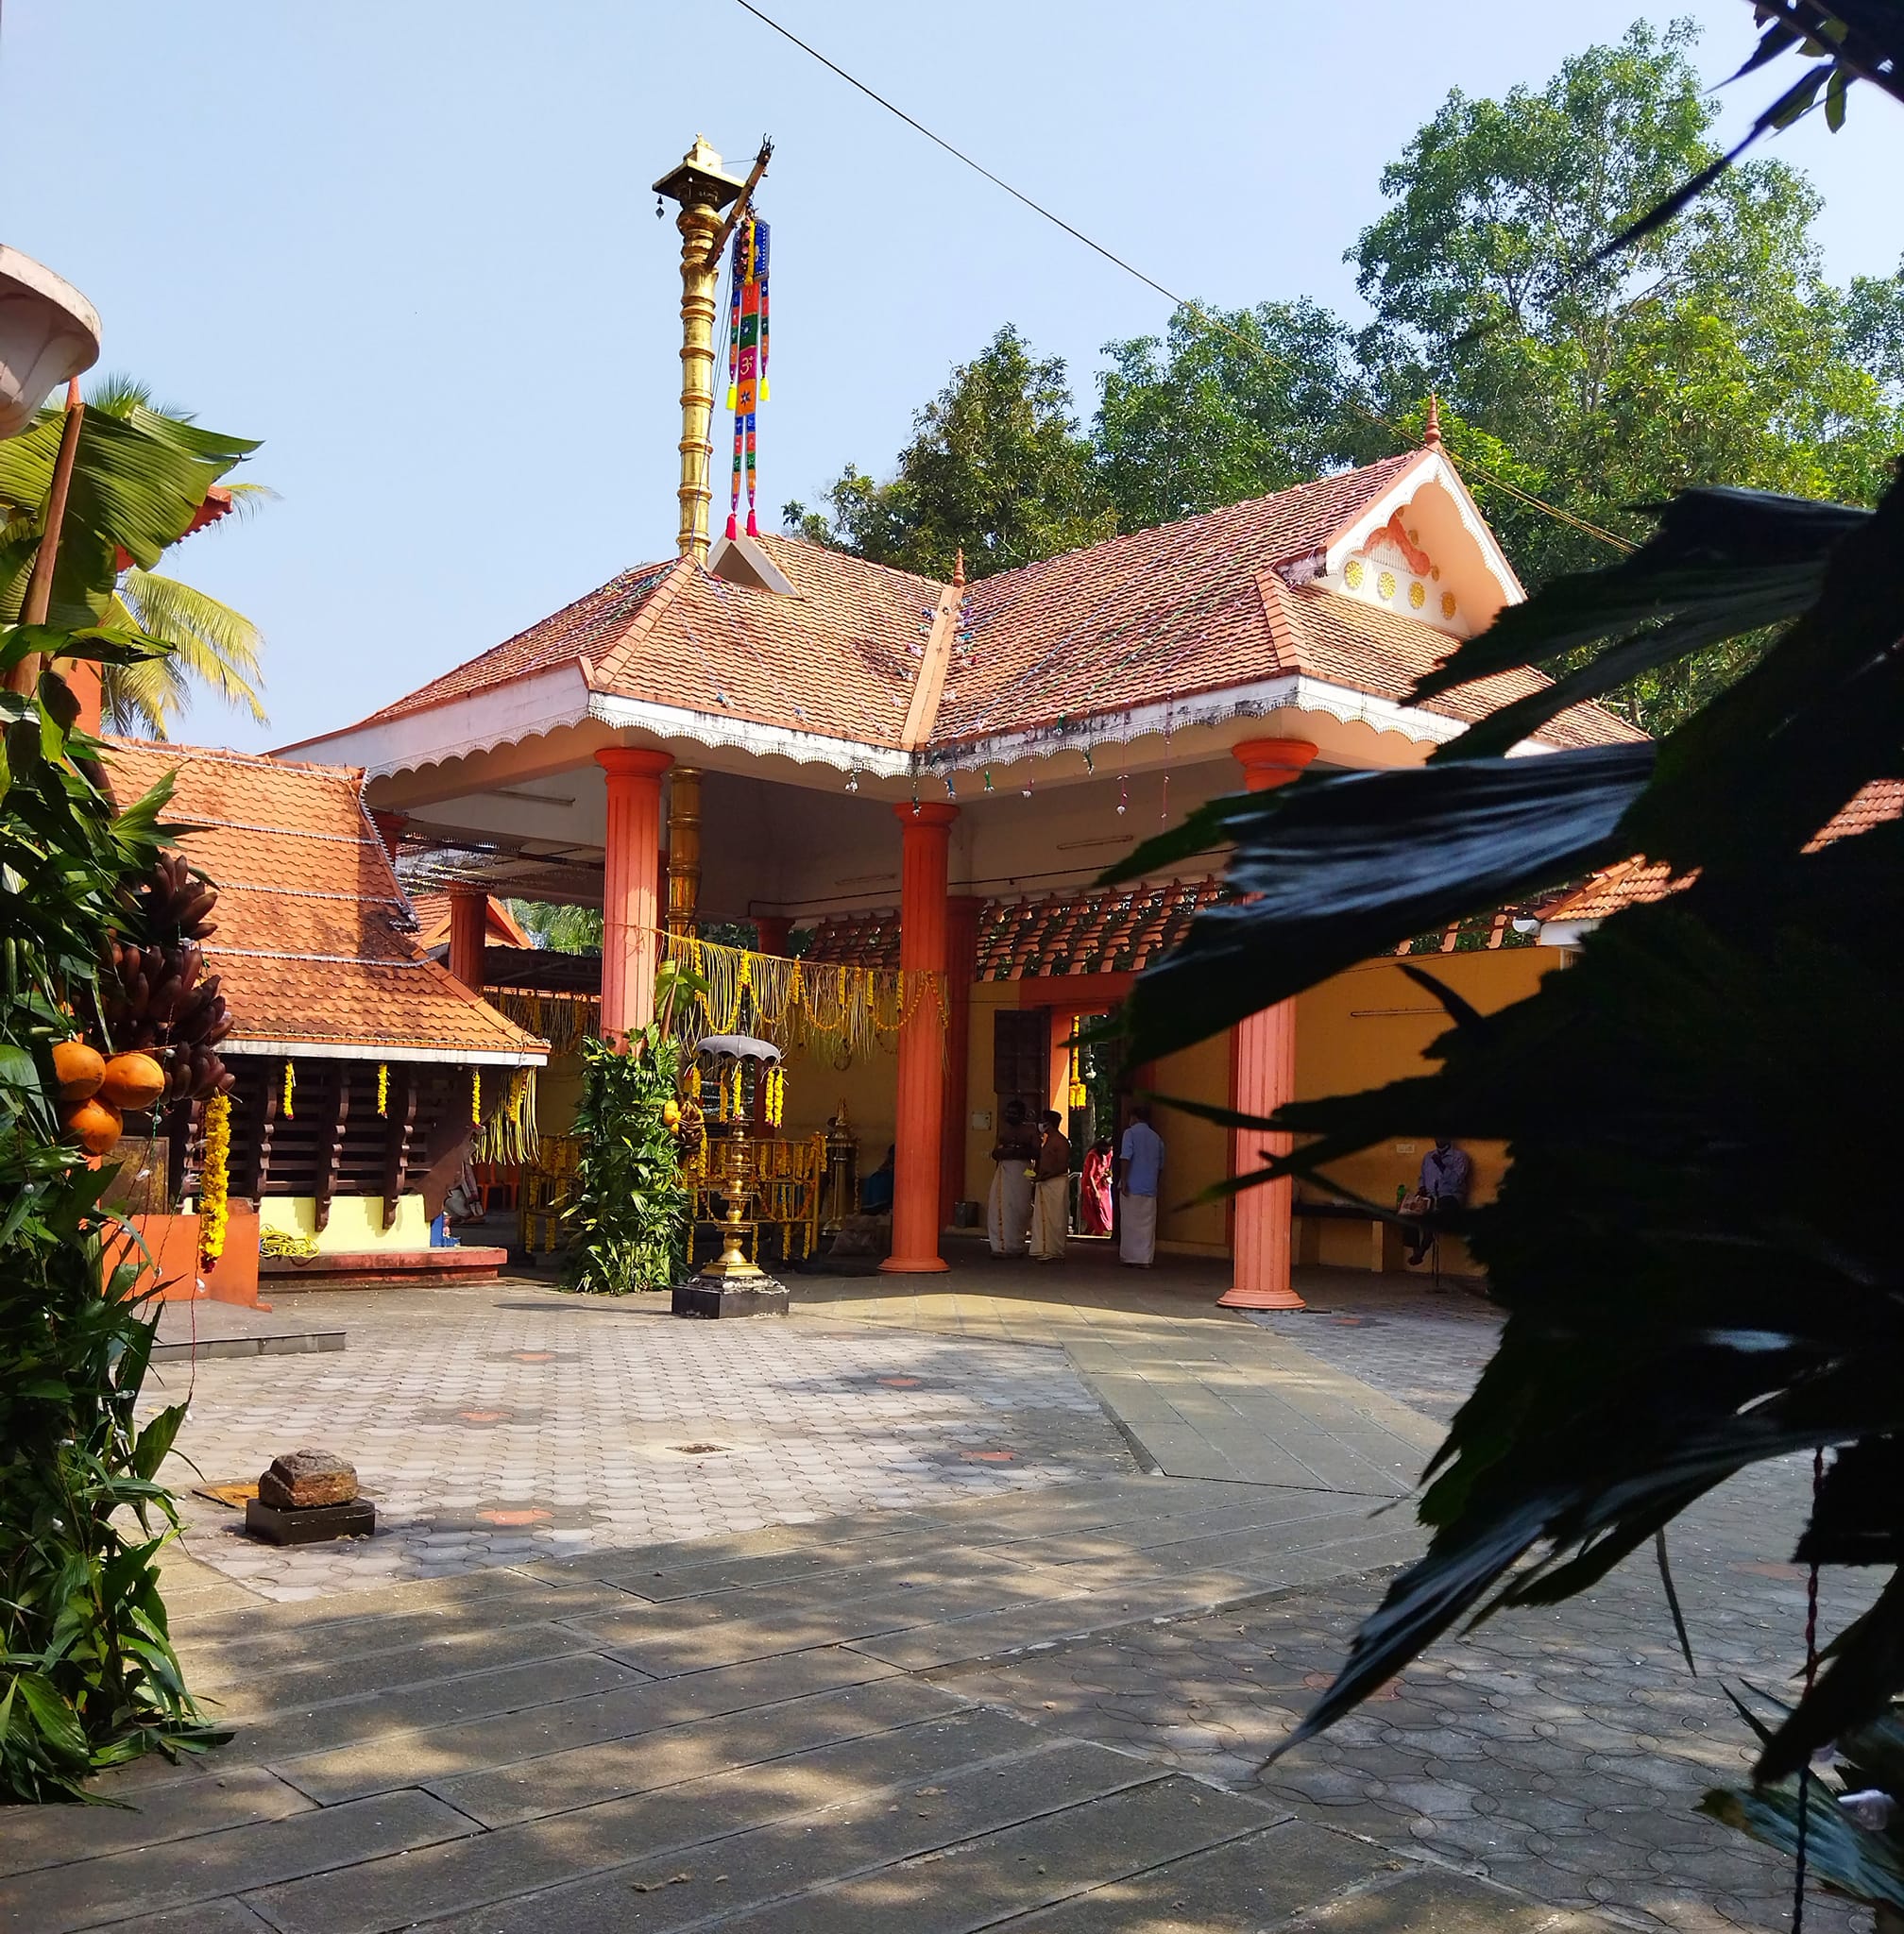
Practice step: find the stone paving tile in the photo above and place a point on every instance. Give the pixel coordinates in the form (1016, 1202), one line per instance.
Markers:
(1560, 1750)
(520, 1424)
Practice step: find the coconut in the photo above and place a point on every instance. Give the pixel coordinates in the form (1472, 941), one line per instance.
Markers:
(94, 1125)
(77, 1070)
(133, 1081)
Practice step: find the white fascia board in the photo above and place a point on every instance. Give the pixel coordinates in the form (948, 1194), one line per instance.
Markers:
(357, 1051)
(781, 741)
(499, 715)
(1565, 933)
(1287, 691)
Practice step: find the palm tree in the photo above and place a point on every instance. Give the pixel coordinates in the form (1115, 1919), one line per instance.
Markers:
(213, 647)
(146, 478)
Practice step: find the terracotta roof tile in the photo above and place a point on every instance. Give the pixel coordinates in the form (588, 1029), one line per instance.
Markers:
(1187, 608)
(1095, 931)
(311, 943)
(589, 627)
(1635, 882)
(1140, 616)
(1345, 641)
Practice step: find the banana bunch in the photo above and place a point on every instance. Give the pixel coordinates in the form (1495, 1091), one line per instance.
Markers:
(174, 901)
(158, 998)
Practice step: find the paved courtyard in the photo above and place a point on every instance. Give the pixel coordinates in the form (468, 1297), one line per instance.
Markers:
(933, 1686)
(509, 1422)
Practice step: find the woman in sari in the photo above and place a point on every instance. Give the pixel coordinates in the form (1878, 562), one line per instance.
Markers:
(1094, 1190)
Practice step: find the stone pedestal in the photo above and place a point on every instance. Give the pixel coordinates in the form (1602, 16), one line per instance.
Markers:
(310, 1524)
(756, 1296)
(307, 1498)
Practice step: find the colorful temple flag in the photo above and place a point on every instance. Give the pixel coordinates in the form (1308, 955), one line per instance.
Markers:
(746, 358)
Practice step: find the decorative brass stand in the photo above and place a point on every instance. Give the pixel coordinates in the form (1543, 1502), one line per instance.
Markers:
(730, 1285)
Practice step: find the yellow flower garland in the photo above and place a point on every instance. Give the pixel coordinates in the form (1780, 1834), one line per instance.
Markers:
(290, 1083)
(214, 1179)
(382, 1087)
(476, 1097)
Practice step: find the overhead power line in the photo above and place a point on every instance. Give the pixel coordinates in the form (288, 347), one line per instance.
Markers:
(1170, 296)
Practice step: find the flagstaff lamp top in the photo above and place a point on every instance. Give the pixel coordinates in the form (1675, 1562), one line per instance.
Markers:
(700, 177)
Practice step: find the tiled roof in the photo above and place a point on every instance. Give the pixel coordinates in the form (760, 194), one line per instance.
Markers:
(1188, 608)
(1140, 616)
(1635, 882)
(311, 943)
(590, 625)
(1103, 931)
(1345, 641)
(433, 922)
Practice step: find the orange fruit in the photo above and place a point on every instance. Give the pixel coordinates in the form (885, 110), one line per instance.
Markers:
(94, 1125)
(77, 1070)
(132, 1081)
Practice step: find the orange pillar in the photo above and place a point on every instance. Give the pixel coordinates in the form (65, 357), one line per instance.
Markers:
(389, 829)
(1263, 1077)
(631, 899)
(962, 964)
(926, 833)
(469, 934)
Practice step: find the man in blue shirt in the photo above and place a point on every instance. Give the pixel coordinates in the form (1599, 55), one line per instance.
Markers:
(1140, 1166)
(1446, 1172)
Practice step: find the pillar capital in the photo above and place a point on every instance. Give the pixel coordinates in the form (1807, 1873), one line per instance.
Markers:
(1269, 762)
(924, 812)
(633, 762)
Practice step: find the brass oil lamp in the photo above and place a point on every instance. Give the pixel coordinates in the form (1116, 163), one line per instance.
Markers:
(730, 1285)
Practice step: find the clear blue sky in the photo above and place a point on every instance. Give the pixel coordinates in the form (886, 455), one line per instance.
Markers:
(411, 246)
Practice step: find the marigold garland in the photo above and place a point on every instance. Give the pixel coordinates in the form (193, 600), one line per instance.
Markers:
(476, 1097)
(290, 1084)
(382, 1087)
(214, 1179)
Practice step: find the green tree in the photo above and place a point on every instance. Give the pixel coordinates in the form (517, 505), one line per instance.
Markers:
(996, 468)
(1711, 348)
(1228, 405)
(103, 578)
(564, 930)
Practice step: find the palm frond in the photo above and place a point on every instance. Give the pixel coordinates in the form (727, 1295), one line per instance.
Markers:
(213, 644)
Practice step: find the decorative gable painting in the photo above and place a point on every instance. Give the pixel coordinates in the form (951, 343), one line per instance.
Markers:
(1391, 568)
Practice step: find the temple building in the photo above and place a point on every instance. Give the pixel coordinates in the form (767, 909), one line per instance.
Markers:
(927, 779)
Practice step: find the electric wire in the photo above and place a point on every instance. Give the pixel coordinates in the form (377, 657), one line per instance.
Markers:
(1195, 308)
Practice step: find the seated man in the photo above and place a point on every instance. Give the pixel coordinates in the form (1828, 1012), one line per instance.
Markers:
(875, 1191)
(1446, 1171)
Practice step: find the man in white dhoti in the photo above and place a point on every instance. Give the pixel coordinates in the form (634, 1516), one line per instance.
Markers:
(1007, 1207)
(1140, 1167)
(1051, 1204)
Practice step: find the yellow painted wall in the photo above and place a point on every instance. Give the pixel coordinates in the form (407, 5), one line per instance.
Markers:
(869, 1086)
(1373, 1024)
(1196, 1153)
(558, 1094)
(356, 1222)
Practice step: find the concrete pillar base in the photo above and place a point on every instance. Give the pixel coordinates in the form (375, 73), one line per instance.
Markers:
(913, 1265)
(1241, 1299)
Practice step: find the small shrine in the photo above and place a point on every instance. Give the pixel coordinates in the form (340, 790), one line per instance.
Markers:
(360, 1069)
